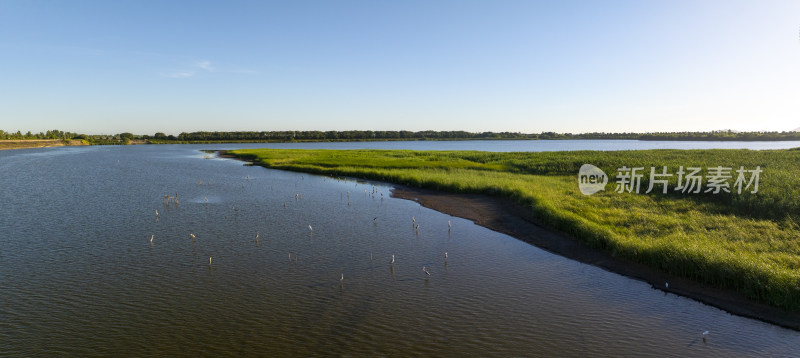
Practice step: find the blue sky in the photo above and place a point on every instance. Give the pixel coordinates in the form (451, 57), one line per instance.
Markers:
(523, 66)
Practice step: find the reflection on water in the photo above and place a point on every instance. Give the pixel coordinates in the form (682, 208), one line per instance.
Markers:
(80, 276)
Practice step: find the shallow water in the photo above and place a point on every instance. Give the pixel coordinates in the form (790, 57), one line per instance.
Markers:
(79, 275)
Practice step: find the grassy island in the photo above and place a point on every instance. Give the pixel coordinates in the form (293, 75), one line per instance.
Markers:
(748, 242)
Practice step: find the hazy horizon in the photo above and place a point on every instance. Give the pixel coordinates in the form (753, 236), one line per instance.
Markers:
(362, 130)
(100, 67)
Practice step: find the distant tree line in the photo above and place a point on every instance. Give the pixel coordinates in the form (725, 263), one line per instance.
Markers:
(288, 136)
(448, 135)
(346, 135)
(722, 135)
(53, 134)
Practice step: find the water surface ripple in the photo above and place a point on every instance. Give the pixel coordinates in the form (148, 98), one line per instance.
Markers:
(80, 277)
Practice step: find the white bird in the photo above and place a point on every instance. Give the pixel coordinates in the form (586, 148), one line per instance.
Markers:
(425, 269)
(445, 255)
(666, 284)
(342, 278)
(209, 260)
(151, 238)
(448, 225)
(192, 236)
(392, 259)
(156, 212)
(310, 228)
(413, 221)
(206, 199)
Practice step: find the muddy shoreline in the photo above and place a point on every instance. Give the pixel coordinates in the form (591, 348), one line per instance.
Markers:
(505, 216)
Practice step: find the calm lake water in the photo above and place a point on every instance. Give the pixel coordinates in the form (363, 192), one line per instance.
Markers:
(79, 275)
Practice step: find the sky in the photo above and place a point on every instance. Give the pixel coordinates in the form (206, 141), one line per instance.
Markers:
(106, 67)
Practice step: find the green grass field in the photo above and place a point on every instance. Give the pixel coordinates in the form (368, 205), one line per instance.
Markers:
(747, 242)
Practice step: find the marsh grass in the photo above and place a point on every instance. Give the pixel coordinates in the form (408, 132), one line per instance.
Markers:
(746, 242)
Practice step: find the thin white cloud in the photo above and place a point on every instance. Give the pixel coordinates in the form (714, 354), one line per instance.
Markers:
(179, 74)
(203, 66)
(206, 65)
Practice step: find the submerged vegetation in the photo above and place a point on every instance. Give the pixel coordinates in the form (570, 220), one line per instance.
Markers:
(749, 242)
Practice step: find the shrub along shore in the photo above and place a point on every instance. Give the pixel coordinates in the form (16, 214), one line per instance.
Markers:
(747, 242)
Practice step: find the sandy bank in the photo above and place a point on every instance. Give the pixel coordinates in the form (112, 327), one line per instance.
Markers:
(37, 143)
